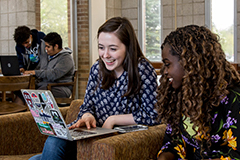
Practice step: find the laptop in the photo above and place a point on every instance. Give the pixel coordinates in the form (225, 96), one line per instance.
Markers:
(9, 65)
(49, 119)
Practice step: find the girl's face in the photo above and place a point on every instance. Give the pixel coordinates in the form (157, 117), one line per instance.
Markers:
(173, 69)
(112, 52)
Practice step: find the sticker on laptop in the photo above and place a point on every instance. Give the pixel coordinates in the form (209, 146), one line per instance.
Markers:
(28, 99)
(35, 113)
(41, 100)
(46, 128)
(49, 101)
(35, 98)
(57, 118)
(46, 117)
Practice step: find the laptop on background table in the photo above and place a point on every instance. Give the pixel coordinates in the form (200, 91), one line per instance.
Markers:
(49, 119)
(9, 65)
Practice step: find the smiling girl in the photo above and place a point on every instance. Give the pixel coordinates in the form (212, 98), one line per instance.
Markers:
(198, 98)
(121, 88)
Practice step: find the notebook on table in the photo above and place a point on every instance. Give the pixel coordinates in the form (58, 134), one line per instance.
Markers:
(9, 65)
(49, 119)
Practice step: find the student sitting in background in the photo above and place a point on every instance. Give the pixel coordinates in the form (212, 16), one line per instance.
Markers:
(198, 97)
(58, 69)
(121, 88)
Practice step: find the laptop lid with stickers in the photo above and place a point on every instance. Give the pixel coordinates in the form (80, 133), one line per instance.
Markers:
(49, 119)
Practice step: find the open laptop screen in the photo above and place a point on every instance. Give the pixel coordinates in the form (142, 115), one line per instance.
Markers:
(9, 65)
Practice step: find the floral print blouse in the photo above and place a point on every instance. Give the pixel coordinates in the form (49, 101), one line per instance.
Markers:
(225, 134)
(104, 103)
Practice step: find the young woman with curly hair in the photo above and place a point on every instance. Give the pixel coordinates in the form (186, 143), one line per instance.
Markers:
(198, 97)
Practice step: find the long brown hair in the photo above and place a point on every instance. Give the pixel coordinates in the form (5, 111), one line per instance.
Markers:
(123, 29)
(208, 77)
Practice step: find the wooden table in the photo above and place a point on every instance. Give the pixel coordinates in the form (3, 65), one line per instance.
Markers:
(13, 83)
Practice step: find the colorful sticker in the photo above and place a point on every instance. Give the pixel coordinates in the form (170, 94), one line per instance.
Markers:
(38, 104)
(34, 95)
(35, 98)
(35, 113)
(44, 97)
(46, 128)
(45, 117)
(49, 100)
(41, 101)
(28, 99)
(56, 117)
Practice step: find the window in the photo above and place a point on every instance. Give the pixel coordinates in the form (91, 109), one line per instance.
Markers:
(150, 29)
(54, 18)
(222, 23)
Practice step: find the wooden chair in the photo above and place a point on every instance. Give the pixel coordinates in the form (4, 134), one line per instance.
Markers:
(12, 83)
(68, 100)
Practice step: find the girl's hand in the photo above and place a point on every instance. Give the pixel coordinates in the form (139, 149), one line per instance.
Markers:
(109, 123)
(87, 120)
(124, 119)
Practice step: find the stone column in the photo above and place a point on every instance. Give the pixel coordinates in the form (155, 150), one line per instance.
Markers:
(14, 13)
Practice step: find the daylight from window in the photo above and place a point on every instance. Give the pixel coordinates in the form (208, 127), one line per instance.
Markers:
(54, 18)
(152, 28)
(223, 25)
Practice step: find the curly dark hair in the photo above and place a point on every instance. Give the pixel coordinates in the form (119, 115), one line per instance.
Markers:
(21, 34)
(207, 79)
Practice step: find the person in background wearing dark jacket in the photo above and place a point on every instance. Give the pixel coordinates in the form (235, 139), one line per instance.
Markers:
(29, 47)
(58, 68)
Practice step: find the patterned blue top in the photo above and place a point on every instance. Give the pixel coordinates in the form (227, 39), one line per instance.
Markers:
(104, 103)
